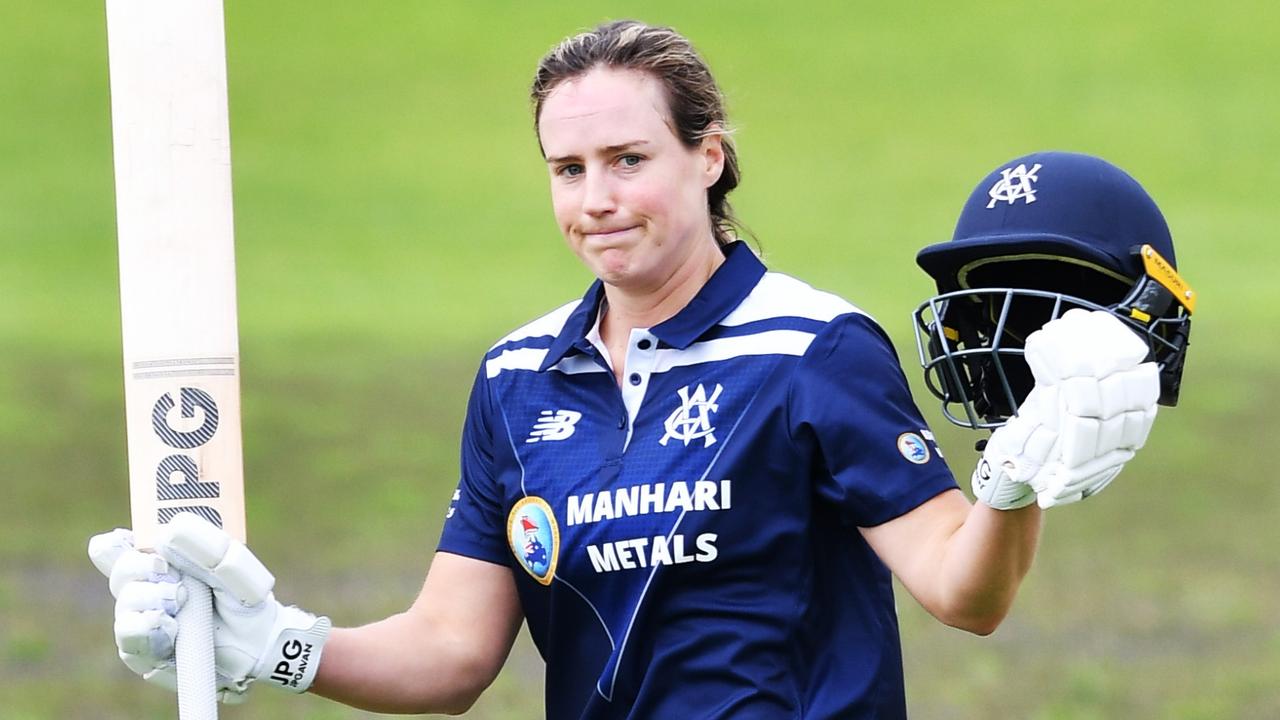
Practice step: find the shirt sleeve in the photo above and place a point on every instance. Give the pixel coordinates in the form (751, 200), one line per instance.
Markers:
(475, 525)
(849, 401)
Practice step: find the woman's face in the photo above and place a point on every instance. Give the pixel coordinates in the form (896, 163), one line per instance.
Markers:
(629, 197)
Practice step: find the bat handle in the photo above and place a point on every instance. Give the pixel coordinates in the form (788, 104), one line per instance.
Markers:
(197, 682)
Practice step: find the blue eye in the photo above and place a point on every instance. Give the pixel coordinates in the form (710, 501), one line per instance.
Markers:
(572, 170)
(630, 160)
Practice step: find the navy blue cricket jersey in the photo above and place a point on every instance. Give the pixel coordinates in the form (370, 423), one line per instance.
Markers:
(686, 545)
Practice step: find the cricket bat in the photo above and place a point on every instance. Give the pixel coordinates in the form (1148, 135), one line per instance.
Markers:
(172, 150)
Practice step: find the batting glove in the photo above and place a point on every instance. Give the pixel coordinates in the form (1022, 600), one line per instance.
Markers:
(1017, 458)
(255, 637)
(1106, 399)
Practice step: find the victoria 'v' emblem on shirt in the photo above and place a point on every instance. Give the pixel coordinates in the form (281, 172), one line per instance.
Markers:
(692, 420)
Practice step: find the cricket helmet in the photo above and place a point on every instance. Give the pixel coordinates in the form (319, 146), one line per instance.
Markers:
(1039, 235)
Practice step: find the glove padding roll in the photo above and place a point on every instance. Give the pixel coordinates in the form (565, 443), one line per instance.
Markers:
(262, 637)
(1083, 344)
(1106, 401)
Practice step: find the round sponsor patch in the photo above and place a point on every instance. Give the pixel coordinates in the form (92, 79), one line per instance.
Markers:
(913, 448)
(534, 537)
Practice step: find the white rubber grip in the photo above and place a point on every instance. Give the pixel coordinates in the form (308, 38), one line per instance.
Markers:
(197, 681)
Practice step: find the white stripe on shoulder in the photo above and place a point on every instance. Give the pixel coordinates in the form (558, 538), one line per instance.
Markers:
(778, 295)
(521, 359)
(771, 342)
(532, 359)
(550, 324)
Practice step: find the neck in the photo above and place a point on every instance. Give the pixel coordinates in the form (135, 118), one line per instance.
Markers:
(630, 308)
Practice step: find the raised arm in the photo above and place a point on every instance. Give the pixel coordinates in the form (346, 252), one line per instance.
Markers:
(1090, 411)
(962, 562)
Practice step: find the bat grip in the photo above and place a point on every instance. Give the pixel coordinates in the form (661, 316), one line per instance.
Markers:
(193, 649)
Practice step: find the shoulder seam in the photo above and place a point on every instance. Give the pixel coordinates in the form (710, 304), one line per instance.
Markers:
(527, 331)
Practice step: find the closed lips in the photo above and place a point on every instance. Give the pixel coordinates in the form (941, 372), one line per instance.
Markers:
(615, 231)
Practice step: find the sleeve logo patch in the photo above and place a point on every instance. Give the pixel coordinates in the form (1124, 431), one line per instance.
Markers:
(913, 448)
(534, 537)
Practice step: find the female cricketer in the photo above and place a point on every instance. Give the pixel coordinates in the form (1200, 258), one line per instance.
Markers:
(695, 482)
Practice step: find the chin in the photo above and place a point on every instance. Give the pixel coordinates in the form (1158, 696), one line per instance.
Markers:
(612, 266)
(615, 277)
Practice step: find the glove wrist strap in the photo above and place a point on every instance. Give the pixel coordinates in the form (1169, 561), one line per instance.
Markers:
(994, 487)
(294, 657)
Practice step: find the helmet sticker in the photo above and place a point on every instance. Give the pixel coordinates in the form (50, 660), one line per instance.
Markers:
(1015, 184)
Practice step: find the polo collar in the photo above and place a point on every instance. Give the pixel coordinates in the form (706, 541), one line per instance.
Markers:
(727, 287)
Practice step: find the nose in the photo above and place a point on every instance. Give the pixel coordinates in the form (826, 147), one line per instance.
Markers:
(597, 195)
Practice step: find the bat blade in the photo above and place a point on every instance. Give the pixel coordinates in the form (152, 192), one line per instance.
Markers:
(177, 261)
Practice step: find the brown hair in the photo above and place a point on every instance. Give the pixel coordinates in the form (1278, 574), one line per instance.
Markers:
(693, 98)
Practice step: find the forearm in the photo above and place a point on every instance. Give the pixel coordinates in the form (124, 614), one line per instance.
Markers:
(962, 562)
(438, 656)
(983, 563)
(400, 665)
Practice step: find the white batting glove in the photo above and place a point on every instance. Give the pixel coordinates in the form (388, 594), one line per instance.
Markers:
(148, 595)
(255, 637)
(1106, 400)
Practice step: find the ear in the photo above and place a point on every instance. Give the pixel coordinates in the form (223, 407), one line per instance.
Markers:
(711, 155)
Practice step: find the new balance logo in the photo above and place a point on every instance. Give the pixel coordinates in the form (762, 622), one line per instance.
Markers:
(553, 425)
(1015, 184)
(692, 420)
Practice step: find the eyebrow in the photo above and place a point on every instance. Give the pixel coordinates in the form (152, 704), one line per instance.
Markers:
(607, 150)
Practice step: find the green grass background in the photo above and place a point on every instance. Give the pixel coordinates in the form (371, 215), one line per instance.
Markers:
(392, 220)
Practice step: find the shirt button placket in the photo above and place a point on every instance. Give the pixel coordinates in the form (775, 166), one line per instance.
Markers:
(640, 357)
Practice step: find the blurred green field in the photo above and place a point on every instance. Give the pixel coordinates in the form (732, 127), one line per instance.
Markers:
(393, 220)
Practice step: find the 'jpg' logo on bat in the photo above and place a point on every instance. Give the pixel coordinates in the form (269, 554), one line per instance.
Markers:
(188, 485)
